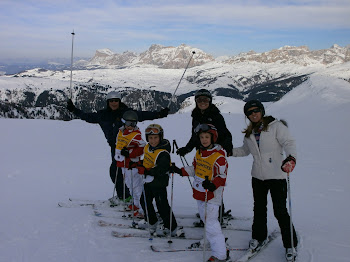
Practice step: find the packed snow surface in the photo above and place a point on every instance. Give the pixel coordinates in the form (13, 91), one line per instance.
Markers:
(45, 162)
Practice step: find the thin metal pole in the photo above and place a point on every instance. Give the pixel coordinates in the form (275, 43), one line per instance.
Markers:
(205, 223)
(71, 67)
(290, 215)
(171, 207)
(171, 99)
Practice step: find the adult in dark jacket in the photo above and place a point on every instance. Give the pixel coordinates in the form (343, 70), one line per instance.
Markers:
(206, 112)
(110, 120)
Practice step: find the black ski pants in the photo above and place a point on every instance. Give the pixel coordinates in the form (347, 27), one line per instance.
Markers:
(113, 172)
(160, 196)
(278, 191)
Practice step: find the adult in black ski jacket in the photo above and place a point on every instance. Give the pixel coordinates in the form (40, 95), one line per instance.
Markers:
(206, 112)
(110, 120)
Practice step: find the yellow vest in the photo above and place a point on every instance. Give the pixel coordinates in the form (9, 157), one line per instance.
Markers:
(124, 141)
(205, 165)
(150, 158)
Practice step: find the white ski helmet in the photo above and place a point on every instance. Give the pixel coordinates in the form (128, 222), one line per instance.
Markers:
(113, 94)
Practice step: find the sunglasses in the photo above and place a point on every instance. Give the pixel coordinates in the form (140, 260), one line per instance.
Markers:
(114, 100)
(152, 131)
(256, 110)
(203, 100)
(130, 123)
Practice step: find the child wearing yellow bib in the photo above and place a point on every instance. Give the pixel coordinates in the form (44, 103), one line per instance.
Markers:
(209, 171)
(155, 168)
(129, 149)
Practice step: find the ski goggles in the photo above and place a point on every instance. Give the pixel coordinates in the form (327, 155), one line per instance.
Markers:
(129, 123)
(152, 131)
(203, 128)
(202, 100)
(256, 110)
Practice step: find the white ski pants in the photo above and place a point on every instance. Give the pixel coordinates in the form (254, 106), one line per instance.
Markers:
(133, 181)
(213, 229)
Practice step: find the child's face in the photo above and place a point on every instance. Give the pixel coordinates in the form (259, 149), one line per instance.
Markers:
(129, 127)
(153, 140)
(205, 139)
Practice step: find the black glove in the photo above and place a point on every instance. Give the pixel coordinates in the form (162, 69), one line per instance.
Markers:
(70, 105)
(125, 152)
(207, 184)
(164, 112)
(175, 169)
(182, 151)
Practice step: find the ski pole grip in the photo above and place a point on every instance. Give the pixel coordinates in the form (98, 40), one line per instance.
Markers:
(206, 178)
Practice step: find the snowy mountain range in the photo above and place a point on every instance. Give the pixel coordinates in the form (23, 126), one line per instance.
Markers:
(148, 80)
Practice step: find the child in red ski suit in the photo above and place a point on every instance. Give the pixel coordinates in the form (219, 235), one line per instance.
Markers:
(209, 171)
(129, 149)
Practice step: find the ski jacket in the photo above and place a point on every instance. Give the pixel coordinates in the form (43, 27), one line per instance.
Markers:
(268, 156)
(132, 140)
(211, 163)
(110, 120)
(157, 162)
(212, 116)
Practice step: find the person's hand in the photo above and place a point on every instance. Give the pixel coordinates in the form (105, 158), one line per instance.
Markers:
(125, 152)
(207, 184)
(175, 169)
(142, 170)
(288, 164)
(70, 105)
(182, 151)
(164, 112)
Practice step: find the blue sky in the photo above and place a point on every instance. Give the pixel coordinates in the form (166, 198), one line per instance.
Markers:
(42, 28)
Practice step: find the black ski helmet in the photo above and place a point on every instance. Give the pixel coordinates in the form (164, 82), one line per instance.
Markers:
(130, 116)
(203, 92)
(254, 103)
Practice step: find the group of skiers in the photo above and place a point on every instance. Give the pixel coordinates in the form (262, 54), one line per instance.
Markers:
(146, 180)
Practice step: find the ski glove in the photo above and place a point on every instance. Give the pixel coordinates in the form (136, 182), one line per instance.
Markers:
(288, 164)
(142, 170)
(70, 105)
(207, 184)
(125, 152)
(164, 112)
(175, 169)
(182, 151)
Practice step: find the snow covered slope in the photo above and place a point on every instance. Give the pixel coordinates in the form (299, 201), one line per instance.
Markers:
(44, 162)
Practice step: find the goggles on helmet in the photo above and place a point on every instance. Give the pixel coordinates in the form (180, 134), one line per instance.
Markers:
(203, 128)
(129, 123)
(152, 131)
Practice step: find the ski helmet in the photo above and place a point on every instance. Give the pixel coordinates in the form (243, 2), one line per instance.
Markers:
(154, 129)
(207, 128)
(254, 103)
(113, 94)
(130, 118)
(203, 92)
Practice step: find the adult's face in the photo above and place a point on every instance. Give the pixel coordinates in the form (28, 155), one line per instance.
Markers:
(254, 114)
(114, 103)
(202, 102)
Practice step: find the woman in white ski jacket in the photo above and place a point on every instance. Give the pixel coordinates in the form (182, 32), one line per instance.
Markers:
(266, 138)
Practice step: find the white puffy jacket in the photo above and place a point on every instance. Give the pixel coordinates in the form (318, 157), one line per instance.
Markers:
(269, 156)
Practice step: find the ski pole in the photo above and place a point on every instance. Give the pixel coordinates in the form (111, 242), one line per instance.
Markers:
(124, 216)
(171, 207)
(175, 145)
(144, 197)
(132, 194)
(290, 214)
(71, 68)
(193, 52)
(114, 188)
(205, 220)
